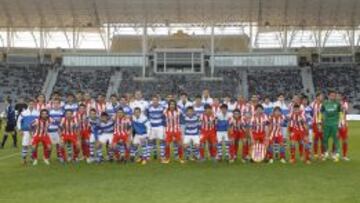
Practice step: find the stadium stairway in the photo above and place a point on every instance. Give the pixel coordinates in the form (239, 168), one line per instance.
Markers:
(50, 82)
(114, 83)
(244, 89)
(307, 81)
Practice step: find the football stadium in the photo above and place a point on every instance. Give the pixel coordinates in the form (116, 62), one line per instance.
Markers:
(179, 101)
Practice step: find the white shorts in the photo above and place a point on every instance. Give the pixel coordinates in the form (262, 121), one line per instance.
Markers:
(157, 133)
(26, 139)
(284, 131)
(139, 139)
(92, 138)
(311, 134)
(194, 139)
(54, 138)
(106, 138)
(222, 136)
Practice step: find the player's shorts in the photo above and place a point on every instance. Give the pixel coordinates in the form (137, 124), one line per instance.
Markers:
(85, 134)
(284, 132)
(317, 132)
(106, 138)
(222, 136)
(208, 136)
(10, 127)
(157, 133)
(297, 135)
(139, 139)
(278, 139)
(238, 135)
(343, 133)
(258, 136)
(120, 138)
(311, 134)
(26, 139)
(45, 140)
(92, 138)
(173, 136)
(194, 139)
(69, 138)
(54, 137)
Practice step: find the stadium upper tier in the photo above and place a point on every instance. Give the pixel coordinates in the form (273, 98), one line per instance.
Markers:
(266, 81)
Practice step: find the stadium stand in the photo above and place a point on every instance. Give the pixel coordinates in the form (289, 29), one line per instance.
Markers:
(271, 82)
(94, 81)
(342, 78)
(175, 84)
(20, 81)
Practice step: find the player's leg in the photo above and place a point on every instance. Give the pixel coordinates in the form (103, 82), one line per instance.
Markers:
(180, 149)
(34, 147)
(187, 147)
(293, 141)
(55, 141)
(343, 133)
(26, 144)
(270, 150)
(227, 147)
(335, 138)
(116, 145)
(282, 149)
(307, 148)
(219, 145)
(168, 141)
(212, 144)
(92, 147)
(46, 142)
(326, 135)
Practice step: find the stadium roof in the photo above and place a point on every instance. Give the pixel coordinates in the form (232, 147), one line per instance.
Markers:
(93, 13)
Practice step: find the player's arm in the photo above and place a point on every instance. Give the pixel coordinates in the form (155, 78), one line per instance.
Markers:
(18, 124)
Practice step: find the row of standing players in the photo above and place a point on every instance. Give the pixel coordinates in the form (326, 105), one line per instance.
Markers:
(136, 131)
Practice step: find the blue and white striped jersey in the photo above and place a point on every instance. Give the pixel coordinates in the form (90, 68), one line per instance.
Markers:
(26, 118)
(156, 115)
(223, 121)
(141, 125)
(106, 127)
(192, 125)
(309, 113)
(94, 126)
(199, 110)
(127, 110)
(55, 116)
(111, 108)
(74, 107)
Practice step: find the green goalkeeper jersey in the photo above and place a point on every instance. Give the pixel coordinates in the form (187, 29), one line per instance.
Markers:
(331, 113)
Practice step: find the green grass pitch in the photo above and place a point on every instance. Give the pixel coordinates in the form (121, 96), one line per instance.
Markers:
(191, 182)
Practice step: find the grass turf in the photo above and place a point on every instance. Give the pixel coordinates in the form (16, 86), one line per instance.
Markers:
(191, 182)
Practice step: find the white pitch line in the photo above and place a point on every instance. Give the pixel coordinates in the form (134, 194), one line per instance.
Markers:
(9, 156)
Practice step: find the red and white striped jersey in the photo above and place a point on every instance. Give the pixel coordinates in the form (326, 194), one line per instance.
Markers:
(208, 122)
(345, 110)
(259, 123)
(100, 107)
(40, 127)
(291, 107)
(316, 106)
(216, 109)
(89, 105)
(68, 126)
(243, 107)
(82, 121)
(276, 123)
(252, 109)
(122, 125)
(297, 121)
(172, 120)
(40, 106)
(239, 124)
